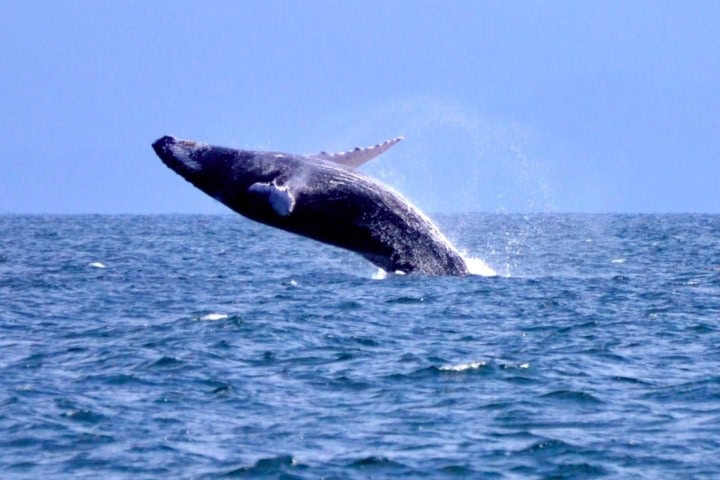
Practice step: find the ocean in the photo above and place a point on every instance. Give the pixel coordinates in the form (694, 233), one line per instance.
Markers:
(183, 346)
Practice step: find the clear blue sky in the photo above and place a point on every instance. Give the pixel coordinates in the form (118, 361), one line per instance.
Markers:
(593, 106)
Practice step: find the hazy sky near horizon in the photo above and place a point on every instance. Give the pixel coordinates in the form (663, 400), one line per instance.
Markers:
(594, 106)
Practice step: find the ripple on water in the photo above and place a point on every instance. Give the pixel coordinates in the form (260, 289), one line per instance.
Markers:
(405, 300)
(165, 362)
(281, 466)
(573, 396)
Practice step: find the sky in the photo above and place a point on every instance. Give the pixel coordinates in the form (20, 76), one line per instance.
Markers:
(563, 106)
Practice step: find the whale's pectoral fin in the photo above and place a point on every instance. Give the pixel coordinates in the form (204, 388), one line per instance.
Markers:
(357, 157)
(279, 197)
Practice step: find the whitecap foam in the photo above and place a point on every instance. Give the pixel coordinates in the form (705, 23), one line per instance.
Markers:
(96, 265)
(461, 367)
(379, 275)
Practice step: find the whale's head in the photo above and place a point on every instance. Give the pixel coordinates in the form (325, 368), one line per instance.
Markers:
(223, 173)
(188, 158)
(184, 157)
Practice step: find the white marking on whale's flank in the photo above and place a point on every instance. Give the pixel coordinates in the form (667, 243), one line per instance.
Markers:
(280, 197)
(214, 316)
(97, 265)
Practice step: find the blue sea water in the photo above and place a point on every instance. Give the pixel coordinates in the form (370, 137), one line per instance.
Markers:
(213, 347)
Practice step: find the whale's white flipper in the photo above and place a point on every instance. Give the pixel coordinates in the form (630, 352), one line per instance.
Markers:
(279, 197)
(357, 157)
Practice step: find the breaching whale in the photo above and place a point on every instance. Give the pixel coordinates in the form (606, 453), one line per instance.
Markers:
(319, 196)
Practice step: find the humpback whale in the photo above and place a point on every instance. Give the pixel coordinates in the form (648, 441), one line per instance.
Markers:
(322, 197)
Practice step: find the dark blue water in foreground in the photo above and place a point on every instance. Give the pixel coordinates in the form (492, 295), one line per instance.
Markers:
(211, 347)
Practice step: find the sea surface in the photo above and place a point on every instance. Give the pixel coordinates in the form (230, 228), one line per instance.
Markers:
(212, 347)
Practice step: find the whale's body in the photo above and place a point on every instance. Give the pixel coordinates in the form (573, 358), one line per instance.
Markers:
(320, 197)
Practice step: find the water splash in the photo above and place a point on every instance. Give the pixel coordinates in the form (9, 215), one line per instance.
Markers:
(379, 275)
(477, 266)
